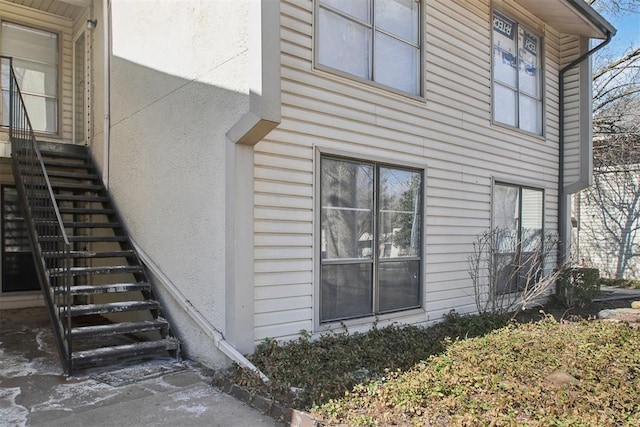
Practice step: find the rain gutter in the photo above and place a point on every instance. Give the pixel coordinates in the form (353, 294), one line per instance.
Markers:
(562, 194)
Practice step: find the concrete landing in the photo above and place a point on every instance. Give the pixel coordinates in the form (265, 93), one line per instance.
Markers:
(34, 391)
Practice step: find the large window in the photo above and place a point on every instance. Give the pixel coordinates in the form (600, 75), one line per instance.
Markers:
(35, 61)
(518, 233)
(371, 238)
(376, 40)
(517, 77)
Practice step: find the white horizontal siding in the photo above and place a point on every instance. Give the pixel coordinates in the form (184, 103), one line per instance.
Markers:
(450, 133)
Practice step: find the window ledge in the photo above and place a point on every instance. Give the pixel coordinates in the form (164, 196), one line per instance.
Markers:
(519, 132)
(366, 323)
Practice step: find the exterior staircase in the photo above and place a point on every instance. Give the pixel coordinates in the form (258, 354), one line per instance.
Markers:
(97, 288)
(100, 301)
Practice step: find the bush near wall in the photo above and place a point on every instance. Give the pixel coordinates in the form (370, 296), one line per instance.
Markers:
(578, 286)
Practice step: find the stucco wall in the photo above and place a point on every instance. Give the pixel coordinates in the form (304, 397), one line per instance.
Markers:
(178, 83)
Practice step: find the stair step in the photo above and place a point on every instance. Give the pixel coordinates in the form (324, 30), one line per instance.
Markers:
(107, 354)
(58, 185)
(112, 307)
(72, 175)
(63, 174)
(63, 154)
(80, 224)
(47, 154)
(89, 254)
(81, 198)
(117, 328)
(72, 165)
(84, 238)
(76, 211)
(86, 211)
(108, 269)
(108, 289)
(65, 197)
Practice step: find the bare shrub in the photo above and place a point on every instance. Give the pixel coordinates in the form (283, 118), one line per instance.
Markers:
(509, 274)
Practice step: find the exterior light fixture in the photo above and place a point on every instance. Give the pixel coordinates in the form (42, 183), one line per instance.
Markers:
(92, 23)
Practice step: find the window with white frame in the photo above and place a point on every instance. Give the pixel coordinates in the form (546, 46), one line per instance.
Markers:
(35, 62)
(371, 238)
(518, 214)
(375, 40)
(517, 75)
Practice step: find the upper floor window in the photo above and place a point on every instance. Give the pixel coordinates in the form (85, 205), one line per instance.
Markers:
(517, 77)
(374, 40)
(35, 62)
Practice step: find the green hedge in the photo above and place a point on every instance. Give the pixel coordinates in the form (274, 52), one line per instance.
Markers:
(578, 286)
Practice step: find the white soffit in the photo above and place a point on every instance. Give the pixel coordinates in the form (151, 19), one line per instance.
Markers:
(575, 17)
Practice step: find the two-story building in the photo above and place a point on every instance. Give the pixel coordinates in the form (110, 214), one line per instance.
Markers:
(308, 164)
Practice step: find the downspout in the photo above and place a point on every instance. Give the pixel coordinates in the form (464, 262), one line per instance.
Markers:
(562, 202)
(107, 91)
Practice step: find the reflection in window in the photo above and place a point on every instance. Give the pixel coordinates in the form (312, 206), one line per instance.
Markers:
(518, 233)
(371, 238)
(517, 75)
(376, 40)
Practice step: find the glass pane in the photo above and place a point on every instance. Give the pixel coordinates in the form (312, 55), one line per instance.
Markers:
(399, 17)
(504, 105)
(5, 73)
(347, 209)
(399, 285)
(29, 43)
(529, 69)
(5, 108)
(43, 113)
(400, 213)
(504, 50)
(396, 64)
(530, 115)
(344, 45)
(36, 78)
(506, 272)
(346, 291)
(357, 8)
(531, 219)
(506, 205)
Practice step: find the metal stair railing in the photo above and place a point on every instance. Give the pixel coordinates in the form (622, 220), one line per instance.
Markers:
(42, 215)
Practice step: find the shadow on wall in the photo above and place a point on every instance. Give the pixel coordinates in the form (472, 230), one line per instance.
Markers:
(167, 173)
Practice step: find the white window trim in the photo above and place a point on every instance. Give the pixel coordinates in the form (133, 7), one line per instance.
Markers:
(369, 83)
(532, 28)
(365, 321)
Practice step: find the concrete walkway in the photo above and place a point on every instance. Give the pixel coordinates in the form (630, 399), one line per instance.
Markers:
(34, 391)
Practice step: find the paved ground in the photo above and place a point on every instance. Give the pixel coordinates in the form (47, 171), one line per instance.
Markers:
(34, 391)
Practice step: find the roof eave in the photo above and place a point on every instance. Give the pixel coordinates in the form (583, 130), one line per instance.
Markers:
(575, 17)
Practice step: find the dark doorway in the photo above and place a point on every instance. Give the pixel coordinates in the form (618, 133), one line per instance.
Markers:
(18, 270)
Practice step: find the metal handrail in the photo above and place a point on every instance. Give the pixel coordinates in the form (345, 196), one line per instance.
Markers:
(43, 216)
